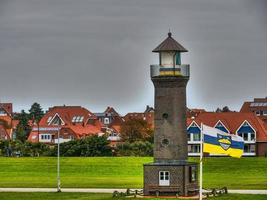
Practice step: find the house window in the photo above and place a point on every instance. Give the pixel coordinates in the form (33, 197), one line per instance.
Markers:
(265, 112)
(193, 173)
(249, 148)
(258, 112)
(245, 136)
(252, 137)
(164, 178)
(188, 136)
(77, 119)
(106, 120)
(196, 137)
(45, 137)
(193, 148)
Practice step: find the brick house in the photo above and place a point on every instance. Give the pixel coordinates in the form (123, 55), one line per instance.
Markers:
(72, 122)
(257, 106)
(247, 125)
(112, 122)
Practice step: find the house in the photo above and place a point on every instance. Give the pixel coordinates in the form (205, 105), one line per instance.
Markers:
(147, 115)
(70, 122)
(107, 116)
(247, 125)
(7, 123)
(257, 106)
(112, 122)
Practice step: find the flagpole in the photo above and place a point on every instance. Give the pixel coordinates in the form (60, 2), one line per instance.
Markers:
(201, 167)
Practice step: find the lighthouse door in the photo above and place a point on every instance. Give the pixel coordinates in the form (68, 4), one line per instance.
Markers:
(164, 178)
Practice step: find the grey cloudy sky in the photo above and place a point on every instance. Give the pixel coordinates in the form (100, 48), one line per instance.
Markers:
(97, 53)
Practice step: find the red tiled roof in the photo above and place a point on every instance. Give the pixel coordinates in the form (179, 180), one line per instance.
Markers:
(245, 107)
(86, 130)
(8, 107)
(111, 110)
(232, 121)
(67, 113)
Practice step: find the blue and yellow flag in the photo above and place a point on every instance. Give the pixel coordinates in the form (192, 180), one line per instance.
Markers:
(218, 142)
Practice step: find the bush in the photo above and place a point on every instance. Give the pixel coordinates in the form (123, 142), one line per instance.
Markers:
(18, 148)
(89, 146)
(135, 149)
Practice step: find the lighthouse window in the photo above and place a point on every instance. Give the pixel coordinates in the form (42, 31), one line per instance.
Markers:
(165, 115)
(164, 178)
(165, 142)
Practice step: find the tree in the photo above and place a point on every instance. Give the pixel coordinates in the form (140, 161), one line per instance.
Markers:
(36, 112)
(224, 109)
(136, 130)
(23, 129)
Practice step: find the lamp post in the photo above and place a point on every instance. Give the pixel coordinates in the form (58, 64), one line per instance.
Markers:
(58, 163)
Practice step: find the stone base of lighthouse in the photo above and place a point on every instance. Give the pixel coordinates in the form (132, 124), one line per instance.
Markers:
(179, 178)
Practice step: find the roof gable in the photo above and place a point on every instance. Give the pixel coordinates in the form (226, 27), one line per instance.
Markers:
(219, 125)
(193, 128)
(245, 127)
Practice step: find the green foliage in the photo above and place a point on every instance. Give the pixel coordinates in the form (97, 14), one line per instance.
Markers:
(224, 109)
(136, 130)
(138, 148)
(18, 148)
(36, 112)
(23, 129)
(89, 146)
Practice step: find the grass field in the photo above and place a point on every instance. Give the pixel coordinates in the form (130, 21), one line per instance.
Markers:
(84, 196)
(124, 172)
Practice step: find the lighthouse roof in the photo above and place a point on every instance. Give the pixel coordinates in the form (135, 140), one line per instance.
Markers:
(170, 44)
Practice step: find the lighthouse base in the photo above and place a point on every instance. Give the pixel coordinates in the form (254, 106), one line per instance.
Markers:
(179, 178)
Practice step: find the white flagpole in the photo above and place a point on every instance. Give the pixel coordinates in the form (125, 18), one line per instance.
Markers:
(200, 157)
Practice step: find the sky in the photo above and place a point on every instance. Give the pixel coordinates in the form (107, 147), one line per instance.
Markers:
(97, 53)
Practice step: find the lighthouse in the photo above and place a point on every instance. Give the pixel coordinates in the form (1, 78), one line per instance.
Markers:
(170, 173)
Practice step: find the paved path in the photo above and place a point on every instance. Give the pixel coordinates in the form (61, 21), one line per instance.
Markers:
(104, 190)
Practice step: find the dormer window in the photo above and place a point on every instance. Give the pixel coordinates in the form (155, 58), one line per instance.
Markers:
(77, 119)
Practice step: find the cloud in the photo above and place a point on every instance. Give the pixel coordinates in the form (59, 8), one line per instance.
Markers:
(97, 53)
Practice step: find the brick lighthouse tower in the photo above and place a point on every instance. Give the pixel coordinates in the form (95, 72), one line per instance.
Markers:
(170, 173)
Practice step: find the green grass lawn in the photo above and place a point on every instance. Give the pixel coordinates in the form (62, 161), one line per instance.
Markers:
(91, 196)
(124, 172)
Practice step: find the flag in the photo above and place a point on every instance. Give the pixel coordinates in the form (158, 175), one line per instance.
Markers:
(218, 142)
